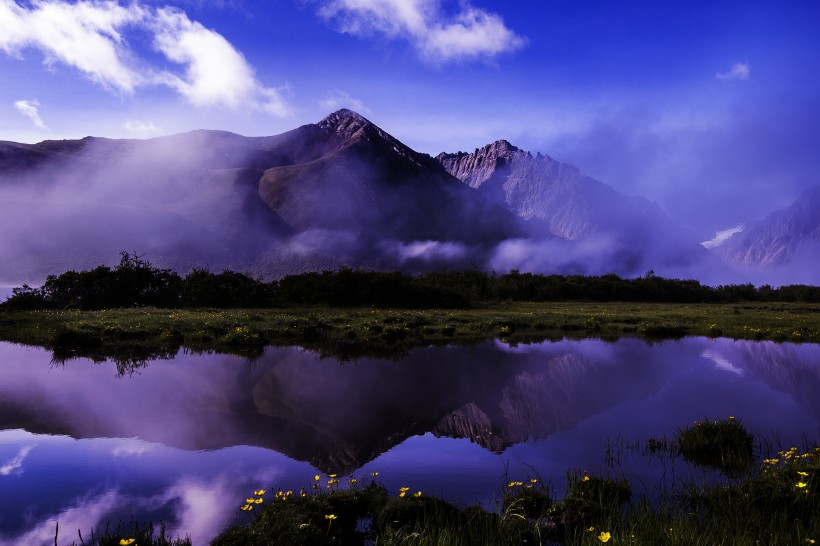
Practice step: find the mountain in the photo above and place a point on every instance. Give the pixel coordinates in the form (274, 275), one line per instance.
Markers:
(627, 234)
(339, 192)
(785, 239)
(573, 205)
(370, 183)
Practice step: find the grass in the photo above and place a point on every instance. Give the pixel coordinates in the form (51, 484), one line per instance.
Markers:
(132, 534)
(776, 502)
(133, 335)
(724, 445)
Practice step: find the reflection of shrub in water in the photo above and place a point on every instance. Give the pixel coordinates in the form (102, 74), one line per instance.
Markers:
(662, 331)
(69, 340)
(127, 359)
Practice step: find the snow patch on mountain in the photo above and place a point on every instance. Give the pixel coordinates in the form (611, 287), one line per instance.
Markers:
(722, 236)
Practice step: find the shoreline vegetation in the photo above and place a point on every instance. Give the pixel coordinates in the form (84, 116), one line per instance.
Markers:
(740, 498)
(140, 334)
(135, 312)
(745, 501)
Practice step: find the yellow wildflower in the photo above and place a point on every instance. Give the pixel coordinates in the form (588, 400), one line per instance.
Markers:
(259, 493)
(604, 536)
(258, 501)
(803, 473)
(374, 474)
(417, 494)
(332, 475)
(249, 501)
(585, 479)
(247, 508)
(331, 517)
(317, 477)
(801, 485)
(127, 541)
(589, 530)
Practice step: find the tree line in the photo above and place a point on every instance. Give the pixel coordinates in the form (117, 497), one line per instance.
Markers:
(136, 282)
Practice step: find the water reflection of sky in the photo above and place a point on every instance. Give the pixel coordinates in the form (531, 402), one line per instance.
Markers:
(5, 292)
(542, 408)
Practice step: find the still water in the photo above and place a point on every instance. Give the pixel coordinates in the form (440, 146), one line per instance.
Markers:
(185, 440)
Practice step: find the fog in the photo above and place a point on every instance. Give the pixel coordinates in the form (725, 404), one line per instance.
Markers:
(730, 156)
(311, 199)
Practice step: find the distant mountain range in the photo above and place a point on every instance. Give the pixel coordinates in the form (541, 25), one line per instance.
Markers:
(343, 192)
(786, 241)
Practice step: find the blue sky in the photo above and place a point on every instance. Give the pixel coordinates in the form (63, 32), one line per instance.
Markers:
(710, 108)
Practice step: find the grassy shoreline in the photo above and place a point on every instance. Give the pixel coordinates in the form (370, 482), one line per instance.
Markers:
(144, 333)
(748, 494)
(770, 501)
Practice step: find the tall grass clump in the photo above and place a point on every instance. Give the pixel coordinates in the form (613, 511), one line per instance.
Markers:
(722, 444)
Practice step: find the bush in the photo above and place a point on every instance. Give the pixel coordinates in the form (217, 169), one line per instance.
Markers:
(725, 445)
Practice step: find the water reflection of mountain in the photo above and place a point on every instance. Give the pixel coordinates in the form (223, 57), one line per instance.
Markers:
(352, 413)
(785, 367)
(339, 416)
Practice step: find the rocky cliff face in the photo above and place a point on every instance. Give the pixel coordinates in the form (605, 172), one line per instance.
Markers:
(788, 236)
(573, 205)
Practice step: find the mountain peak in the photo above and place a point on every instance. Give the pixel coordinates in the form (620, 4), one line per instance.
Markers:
(344, 122)
(502, 146)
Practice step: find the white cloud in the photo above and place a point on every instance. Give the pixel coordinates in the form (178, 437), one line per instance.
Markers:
(471, 34)
(90, 36)
(339, 99)
(85, 35)
(739, 71)
(216, 73)
(31, 109)
(16, 463)
(141, 127)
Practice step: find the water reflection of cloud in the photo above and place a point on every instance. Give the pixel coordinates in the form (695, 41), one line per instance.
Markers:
(15, 465)
(721, 363)
(85, 515)
(203, 509)
(131, 449)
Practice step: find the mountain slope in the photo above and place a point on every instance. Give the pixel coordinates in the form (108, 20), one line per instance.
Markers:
(788, 237)
(572, 204)
(339, 192)
(613, 232)
(372, 183)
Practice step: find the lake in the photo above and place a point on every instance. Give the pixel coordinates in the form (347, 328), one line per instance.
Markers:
(185, 440)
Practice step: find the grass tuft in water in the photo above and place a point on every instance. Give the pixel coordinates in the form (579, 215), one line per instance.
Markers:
(722, 444)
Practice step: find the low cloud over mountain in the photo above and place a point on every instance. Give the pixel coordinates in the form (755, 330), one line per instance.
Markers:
(341, 192)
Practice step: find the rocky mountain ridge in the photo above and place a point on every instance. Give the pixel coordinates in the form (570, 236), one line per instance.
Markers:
(537, 186)
(340, 192)
(779, 238)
